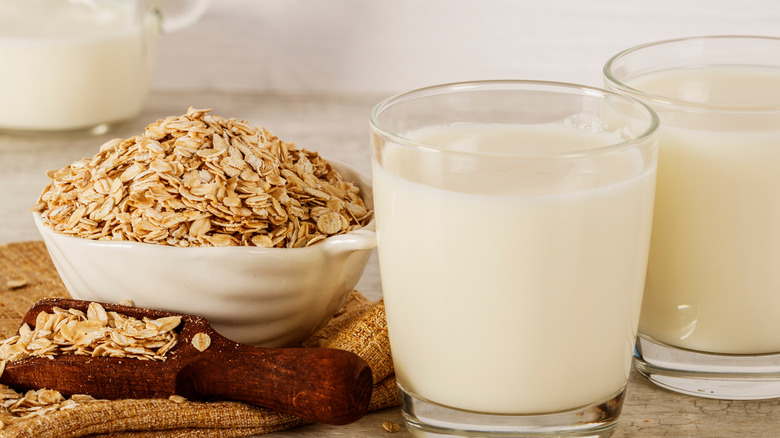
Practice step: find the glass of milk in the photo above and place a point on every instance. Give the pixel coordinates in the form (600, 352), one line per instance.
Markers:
(513, 224)
(79, 65)
(710, 323)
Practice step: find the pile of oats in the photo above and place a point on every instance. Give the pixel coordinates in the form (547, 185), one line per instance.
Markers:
(201, 180)
(71, 331)
(96, 333)
(15, 406)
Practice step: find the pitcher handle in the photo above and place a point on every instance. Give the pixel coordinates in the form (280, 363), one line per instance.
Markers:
(178, 14)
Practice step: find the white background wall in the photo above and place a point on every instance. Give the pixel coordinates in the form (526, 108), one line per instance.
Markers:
(387, 46)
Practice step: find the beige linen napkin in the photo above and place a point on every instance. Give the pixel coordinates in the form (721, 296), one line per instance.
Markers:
(27, 275)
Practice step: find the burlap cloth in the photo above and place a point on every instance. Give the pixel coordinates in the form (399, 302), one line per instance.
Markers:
(27, 275)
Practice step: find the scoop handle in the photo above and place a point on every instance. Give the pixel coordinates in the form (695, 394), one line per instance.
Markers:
(320, 385)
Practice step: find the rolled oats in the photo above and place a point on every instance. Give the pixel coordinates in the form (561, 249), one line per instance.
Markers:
(201, 341)
(391, 427)
(16, 284)
(177, 398)
(201, 180)
(94, 333)
(15, 406)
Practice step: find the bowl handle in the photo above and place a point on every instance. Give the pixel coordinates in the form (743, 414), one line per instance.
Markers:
(358, 240)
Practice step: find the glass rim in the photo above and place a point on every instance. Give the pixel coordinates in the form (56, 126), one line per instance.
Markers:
(517, 84)
(657, 99)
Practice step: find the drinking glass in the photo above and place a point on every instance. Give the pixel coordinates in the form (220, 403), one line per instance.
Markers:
(710, 323)
(513, 224)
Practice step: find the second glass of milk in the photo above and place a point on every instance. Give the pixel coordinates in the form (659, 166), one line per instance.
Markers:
(710, 322)
(513, 224)
(76, 65)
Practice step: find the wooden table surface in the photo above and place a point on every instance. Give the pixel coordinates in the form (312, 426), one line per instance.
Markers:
(337, 127)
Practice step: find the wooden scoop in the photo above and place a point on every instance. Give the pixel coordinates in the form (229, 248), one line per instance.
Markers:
(320, 385)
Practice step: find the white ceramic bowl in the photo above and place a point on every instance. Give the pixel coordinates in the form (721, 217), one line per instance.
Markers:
(260, 296)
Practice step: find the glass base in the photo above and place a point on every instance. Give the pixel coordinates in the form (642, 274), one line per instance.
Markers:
(427, 419)
(720, 376)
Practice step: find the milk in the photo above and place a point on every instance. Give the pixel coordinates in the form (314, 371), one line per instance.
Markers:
(71, 65)
(713, 279)
(512, 291)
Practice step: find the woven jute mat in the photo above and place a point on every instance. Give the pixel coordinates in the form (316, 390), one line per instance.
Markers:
(27, 275)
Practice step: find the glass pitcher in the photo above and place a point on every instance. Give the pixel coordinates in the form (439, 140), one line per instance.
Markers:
(81, 64)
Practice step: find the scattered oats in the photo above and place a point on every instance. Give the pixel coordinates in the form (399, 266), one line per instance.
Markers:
(201, 341)
(202, 180)
(177, 398)
(391, 426)
(83, 398)
(15, 406)
(126, 302)
(16, 284)
(96, 333)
